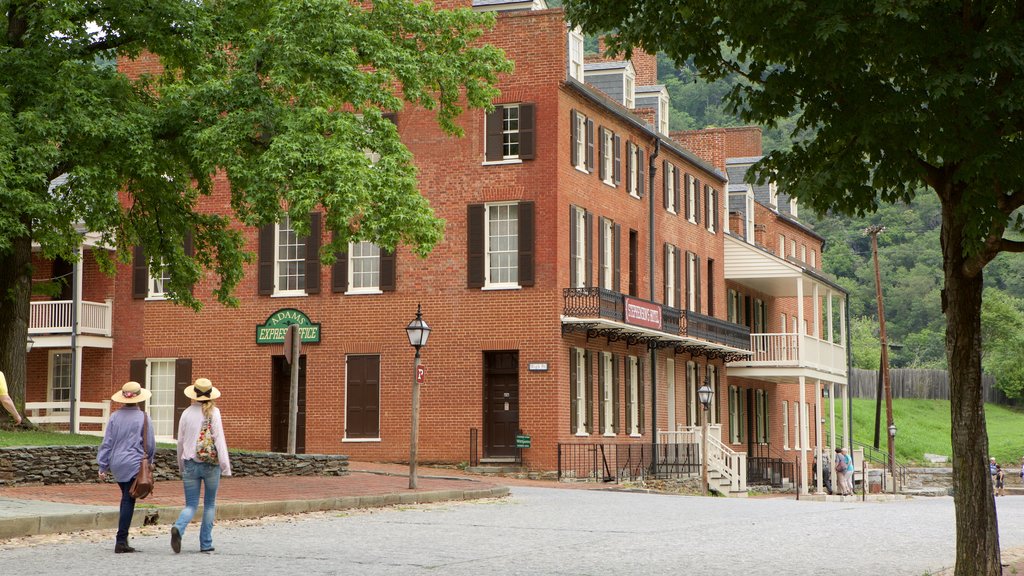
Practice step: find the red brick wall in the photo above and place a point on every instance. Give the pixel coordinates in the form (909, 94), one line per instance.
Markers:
(714, 145)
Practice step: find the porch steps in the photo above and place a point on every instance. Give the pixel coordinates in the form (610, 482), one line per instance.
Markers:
(721, 485)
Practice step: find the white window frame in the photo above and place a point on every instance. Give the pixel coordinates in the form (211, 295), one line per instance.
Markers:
(670, 277)
(712, 373)
(805, 424)
(670, 384)
(576, 54)
(663, 113)
(734, 415)
(353, 274)
(161, 384)
(607, 270)
(580, 264)
(782, 246)
(634, 175)
(633, 389)
(284, 228)
(510, 136)
(709, 209)
(773, 192)
(51, 377)
(157, 286)
(793, 210)
(581, 142)
(670, 188)
(691, 282)
(803, 253)
(608, 159)
(796, 429)
(629, 89)
(785, 425)
(691, 197)
(607, 394)
(792, 248)
(489, 281)
(691, 393)
(814, 259)
(581, 392)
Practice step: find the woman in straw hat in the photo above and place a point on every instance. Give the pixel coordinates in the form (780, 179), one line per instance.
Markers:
(202, 458)
(121, 452)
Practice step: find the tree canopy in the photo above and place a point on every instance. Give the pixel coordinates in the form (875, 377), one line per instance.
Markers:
(896, 97)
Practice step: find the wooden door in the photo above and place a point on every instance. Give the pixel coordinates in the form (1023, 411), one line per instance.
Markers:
(280, 391)
(501, 403)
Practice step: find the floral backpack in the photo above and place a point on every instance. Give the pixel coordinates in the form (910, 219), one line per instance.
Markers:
(206, 448)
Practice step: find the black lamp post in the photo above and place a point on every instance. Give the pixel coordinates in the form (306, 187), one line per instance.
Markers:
(892, 452)
(704, 394)
(418, 332)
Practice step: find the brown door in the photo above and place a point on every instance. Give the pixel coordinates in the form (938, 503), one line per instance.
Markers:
(501, 403)
(280, 391)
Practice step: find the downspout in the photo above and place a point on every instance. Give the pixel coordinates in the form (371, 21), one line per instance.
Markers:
(652, 168)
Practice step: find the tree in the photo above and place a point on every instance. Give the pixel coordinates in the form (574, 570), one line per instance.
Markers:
(283, 98)
(1002, 333)
(895, 94)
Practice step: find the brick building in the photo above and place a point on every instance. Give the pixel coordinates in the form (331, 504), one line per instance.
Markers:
(595, 272)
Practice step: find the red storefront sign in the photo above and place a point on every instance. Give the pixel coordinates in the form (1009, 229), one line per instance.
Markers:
(642, 313)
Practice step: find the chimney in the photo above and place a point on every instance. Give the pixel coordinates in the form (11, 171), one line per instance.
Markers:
(646, 66)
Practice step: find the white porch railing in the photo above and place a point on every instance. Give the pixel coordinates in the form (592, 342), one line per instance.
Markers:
(730, 464)
(54, 317)
(792, 349)
(60, 413)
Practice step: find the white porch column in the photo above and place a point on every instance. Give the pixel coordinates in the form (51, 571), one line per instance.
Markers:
(831, 324)
(832, 414)
(818, 435)
(802, 419)
(816, 309)
(846, 417)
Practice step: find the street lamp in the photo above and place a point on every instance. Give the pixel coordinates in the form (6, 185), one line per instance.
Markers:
(418, 332)
(28, 344)
(704, 394)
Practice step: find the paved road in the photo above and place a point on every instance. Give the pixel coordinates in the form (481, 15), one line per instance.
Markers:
(555, 532)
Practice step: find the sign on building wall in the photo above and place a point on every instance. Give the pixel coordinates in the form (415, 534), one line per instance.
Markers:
(641, 313)
(272, 331)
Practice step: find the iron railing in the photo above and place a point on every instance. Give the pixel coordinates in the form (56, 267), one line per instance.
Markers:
(767, 469)
(620, 462)
(871, 454)
(610, 305)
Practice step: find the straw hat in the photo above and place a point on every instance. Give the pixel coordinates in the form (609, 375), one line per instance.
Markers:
(131, 393)
(202, 390)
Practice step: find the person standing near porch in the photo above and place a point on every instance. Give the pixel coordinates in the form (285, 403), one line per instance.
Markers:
(202, 459)
(7, 401)
(841, 473)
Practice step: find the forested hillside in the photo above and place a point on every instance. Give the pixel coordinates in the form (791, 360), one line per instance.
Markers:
(909, 257)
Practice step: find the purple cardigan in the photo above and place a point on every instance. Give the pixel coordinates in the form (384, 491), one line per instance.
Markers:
(121, 450)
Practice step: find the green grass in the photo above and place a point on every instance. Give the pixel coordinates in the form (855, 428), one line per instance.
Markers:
(923, 426)
(37, 437)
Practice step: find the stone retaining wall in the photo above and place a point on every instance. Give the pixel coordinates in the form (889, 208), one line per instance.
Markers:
(76, 464)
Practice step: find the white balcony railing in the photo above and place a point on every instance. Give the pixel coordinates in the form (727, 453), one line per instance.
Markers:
(54, 317)
(797, 350)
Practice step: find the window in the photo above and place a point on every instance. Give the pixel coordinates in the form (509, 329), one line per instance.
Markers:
(634, 170)
(797, 426)
(785, 425)
(581, 401)
(670, 186)
(692, 186)
(362, 397)
(782, 246)
(499, 245)
(579, 249)
(693, 400)
(634, 397)
(804, 437)
(792, 248)
(160, 381)
(502, 251)
(760, 416)
(692, 282)
(670, 387)
(510, 133)
(576, 54)
(814, 259)
(672, 276)
(733, 303)
(289, 265)
(158, 283)
(582, 141)
(609, 273)
(634, 259)
(629, 89)
(711, 287)
(792, 207)
(734, 415)
(609, 393)
(760, 316)
(803, 253)
(712, 373)
(60, 376)
(610, 167)
(663, 113)
(364, 267)
(710, 208)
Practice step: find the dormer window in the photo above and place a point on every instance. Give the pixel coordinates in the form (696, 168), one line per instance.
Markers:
(792, 207)
(629, 89)
(773, 191)
(576, 54)
(663, 113)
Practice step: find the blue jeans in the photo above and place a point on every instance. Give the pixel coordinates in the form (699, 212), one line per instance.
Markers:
(124, 519)
(194, 474)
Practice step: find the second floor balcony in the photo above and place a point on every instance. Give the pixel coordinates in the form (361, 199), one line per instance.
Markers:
(599, 311)
(50, 324)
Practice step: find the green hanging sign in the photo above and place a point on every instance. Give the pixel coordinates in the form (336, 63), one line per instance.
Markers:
(272, 331)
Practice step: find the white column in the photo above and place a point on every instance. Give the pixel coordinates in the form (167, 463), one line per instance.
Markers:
(832, 413)
(816, 309)
(818, 435)
(831, 324)
(802, 422)
(842, 322)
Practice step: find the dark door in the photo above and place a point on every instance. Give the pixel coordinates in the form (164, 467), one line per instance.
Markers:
(501, 403)
(280, 390)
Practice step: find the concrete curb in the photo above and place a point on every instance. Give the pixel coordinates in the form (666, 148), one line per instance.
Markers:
(21, 526)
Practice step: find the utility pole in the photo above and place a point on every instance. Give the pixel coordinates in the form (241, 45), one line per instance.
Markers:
(874, 231)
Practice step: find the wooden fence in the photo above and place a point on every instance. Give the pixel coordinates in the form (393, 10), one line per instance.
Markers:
(929, 384)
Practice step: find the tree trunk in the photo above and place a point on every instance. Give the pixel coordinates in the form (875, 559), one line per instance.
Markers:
(15, 293)
(977, 537)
